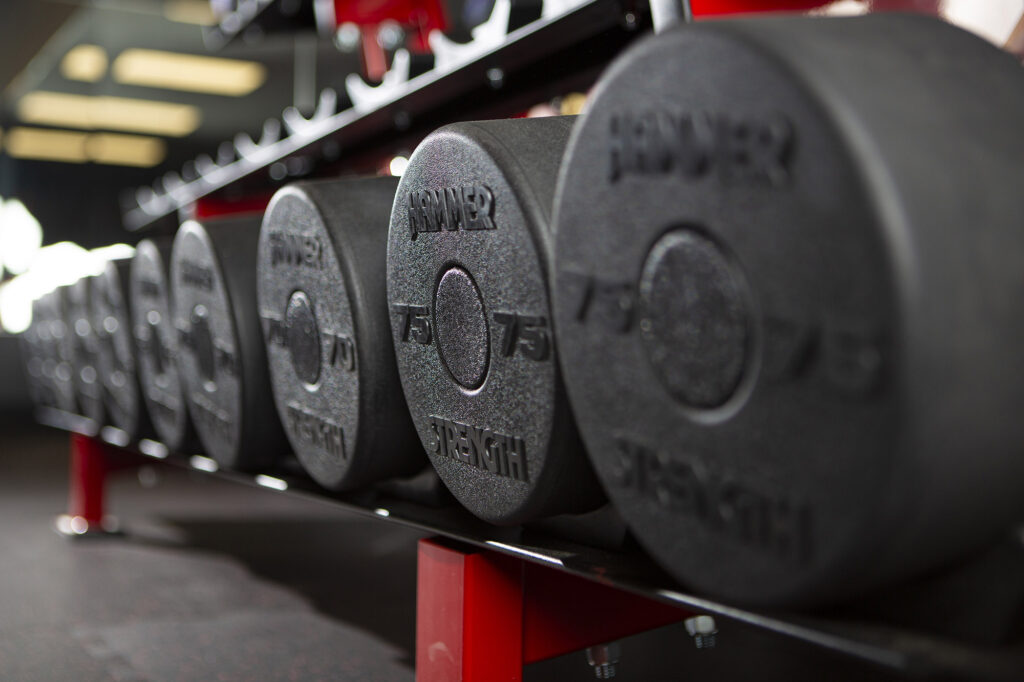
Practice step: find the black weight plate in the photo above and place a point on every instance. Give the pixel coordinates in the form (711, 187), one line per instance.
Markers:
(57, 335)
(222, 359)
(321, 293)
(156, 345)
(87, 383)
(34, 353)
(468, 253)
(115, 361)
(783, 252)
(50, 360)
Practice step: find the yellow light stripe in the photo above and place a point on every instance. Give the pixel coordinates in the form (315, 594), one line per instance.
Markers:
(42, 144)
(189, 72)
(108, 113)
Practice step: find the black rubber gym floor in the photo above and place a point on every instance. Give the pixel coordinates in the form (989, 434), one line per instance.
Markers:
(215, 580)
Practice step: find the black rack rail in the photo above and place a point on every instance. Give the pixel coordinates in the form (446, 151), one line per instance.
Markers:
(539, 59)
(259, 17)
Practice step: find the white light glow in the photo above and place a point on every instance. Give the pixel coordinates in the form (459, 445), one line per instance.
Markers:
(153, 448)
(993, 20)
(398, 166)
(115, 436)
(526, 552)
(103, 254)
(203, 463)
(271, 482)
(53, 266)
(21, 236)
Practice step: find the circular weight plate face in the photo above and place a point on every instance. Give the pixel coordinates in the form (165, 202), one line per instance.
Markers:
(116, 358)
(35, 354)
(463, 342)
(209, 363)
(310, 337)
(54, 361)
(471, 324)
(156, 345)
(694, 319)
(63, 370)
(85, 350)
(725, 308)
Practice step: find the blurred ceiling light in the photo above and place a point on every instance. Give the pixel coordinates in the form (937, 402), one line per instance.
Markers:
(42, 144)
(46, 145)
(54, 265)
(21, 236)
(84, 63)
(110, 113)
(125, 150)
(189, 12)
(194, 73)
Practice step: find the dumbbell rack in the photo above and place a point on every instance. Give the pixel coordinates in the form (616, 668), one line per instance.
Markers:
(520, 580)
(563, 53)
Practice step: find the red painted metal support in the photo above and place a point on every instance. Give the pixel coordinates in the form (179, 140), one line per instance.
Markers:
(212, 206)
(90, 463)
(482, 616)
(88, 479)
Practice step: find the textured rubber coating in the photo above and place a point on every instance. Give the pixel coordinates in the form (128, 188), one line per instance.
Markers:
(818, 391)
(468, 258)
(222, 361)
(157, 346)
(322, 306)
(85, 350)
(115, 361)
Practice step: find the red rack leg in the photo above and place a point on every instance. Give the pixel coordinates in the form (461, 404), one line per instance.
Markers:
(89, 466)
(481, 616)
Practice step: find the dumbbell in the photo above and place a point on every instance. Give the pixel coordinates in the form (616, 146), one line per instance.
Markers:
(323, 309)
(156, 345)
(38, 353)
(56, 338)
(786, 251)
(85, 348)
(222, 360)
(115, 360)
(467, 262)
(34, 354)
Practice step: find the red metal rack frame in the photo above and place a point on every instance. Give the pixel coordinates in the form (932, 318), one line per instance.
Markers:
(541, 588)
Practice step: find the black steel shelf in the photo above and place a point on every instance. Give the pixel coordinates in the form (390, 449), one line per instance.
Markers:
(568, 50)
(900, 650)
(262, 16)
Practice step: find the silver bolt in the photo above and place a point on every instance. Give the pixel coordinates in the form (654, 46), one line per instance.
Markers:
(703, 630)
(390, 35)
(602, 658)
(347, 37)
(495, 77)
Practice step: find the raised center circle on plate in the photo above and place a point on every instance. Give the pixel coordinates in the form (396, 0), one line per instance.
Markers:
(694, 320)
(303, 337)
(460, 322)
